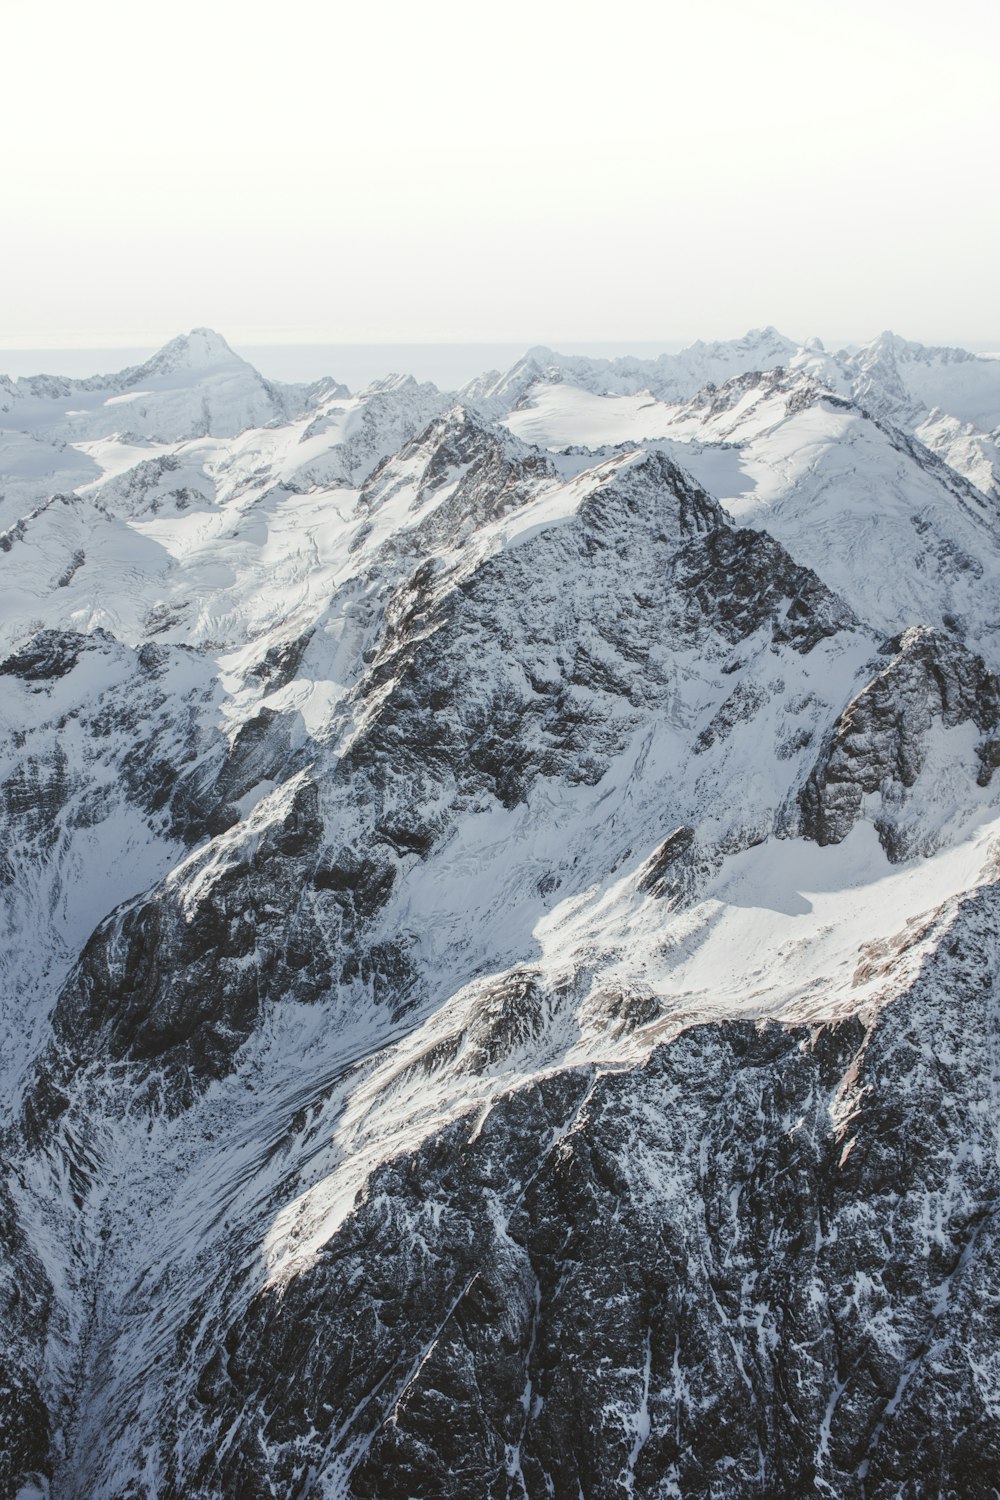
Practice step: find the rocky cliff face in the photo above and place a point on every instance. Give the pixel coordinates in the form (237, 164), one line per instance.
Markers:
(500, 989)
(884, 741)
(782, 1296)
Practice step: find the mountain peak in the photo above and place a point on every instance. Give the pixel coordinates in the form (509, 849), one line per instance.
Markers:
(888, 340)
(200, 349)
(539, 354)
(768, 339)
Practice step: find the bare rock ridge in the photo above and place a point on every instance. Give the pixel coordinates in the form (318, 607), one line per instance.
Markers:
(500, 894)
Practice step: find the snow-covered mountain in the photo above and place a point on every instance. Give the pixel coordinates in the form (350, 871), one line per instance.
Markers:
(193, 387)
(671, 377)
(947, 398)
(52, 430)
(501, 907)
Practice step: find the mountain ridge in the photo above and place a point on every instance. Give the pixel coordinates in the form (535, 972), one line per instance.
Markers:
(501, 995)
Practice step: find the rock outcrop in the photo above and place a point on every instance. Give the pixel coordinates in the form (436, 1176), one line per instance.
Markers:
(882, 741)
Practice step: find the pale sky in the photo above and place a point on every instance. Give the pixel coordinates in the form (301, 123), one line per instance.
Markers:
(536, 171)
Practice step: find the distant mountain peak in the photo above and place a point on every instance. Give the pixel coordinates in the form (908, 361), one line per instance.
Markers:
(755, 338)
(539, 354)
(202, 348)
(888, 342)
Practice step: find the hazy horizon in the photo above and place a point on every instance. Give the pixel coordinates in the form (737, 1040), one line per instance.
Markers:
(448, 365)
(433, 175)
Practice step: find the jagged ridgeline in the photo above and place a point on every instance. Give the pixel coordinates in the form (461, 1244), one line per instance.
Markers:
(501, 919)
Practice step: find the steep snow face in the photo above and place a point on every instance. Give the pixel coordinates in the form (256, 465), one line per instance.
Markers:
(501, 987)
(91, 741)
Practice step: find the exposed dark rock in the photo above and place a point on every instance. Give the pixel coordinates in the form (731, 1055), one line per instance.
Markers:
(744, 579)
(655, 875)
(25, 1304)
(281, 662)
(76, 562)
(741, 705)
(48, 655)
(183, 986)
(880, 742)
(510, 1014)
(752, 1265)
(462, 705)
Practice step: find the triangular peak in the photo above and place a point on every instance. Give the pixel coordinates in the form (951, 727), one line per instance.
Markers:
(201, 349)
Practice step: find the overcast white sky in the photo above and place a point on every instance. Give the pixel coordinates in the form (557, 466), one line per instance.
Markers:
(535, 170)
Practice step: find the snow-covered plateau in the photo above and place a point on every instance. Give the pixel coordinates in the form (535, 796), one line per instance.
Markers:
(501, 930)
